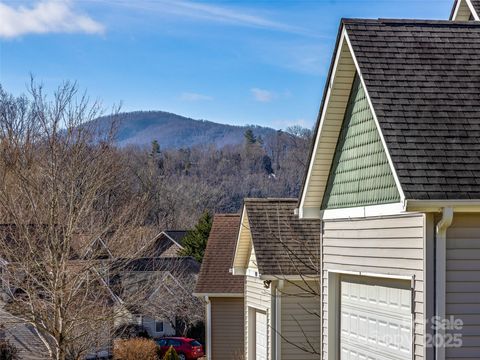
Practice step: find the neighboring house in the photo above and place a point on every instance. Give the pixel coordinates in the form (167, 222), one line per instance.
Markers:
(23, 336)
(279, 254)
(150, 286)
(168, 243)
(394, 176)
(465, 10)
(222, 291)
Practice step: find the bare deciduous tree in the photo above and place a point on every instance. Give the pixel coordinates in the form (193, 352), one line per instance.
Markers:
(63, 188)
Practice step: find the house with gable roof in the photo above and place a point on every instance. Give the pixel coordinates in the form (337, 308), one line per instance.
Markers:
(223, 292)
(394, 177)
(279, 256)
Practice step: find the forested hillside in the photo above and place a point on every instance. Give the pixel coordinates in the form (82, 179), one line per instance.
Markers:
(175, 131)
(182, 183)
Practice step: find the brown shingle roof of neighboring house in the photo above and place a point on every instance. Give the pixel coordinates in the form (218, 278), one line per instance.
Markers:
(215, 276)
(284, 244)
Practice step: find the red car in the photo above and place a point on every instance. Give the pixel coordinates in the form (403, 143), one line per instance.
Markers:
(187, 349)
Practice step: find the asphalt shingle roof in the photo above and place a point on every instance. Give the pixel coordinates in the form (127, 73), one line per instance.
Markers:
(215, 276)
(423, 78)
(181, 264)
(177, 235)
(283, 243)
(476, 5)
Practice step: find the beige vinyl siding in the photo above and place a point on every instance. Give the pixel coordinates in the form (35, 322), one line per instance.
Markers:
(390, 245)
(227, 328)
(328, 134)
(257, 297)
(463, 13)
(463, 283)
(300, 320)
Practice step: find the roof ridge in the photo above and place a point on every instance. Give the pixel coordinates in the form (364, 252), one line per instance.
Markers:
(410, 21)
(227, 215)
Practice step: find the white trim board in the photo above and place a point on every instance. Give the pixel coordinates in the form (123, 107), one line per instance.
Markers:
(373, 275)
(302, 213)
(363, 211)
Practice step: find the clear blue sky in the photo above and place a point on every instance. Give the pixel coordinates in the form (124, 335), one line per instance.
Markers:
(238, 62)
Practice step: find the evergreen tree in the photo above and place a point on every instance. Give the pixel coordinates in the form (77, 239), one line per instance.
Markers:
(155, 148)
(195, 241)
(249, 137)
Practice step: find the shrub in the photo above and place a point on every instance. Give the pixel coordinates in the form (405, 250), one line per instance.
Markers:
(171, 354)
(8, 351)
(134, 349)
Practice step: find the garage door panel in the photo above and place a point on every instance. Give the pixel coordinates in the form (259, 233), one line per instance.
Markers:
(375, 320)
(260, 336)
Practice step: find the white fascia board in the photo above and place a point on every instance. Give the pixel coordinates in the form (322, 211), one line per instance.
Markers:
(310, 213)
(237, 245)
(471, 206)
(472, 10)
(457, 8)
(390, 162)
(219, 295)
(363, 211)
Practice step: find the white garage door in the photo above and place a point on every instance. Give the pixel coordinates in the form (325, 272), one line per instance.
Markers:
(260, 336)
(375, 319)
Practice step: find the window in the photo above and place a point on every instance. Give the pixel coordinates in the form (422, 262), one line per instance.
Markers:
(174, 343)
(162, 342)
(158, 326)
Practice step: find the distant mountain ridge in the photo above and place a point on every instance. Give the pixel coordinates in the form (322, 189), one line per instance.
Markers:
(174, 131)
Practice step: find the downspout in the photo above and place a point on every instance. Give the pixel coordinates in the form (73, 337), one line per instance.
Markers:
(278, 319)
(209, 328)
(274, 319)
(440, 275)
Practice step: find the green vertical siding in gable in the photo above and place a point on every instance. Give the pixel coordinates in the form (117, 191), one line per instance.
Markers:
(360, 173)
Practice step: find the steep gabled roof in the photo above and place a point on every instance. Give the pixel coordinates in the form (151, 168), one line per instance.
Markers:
(284, 245)
(215, 276)
(423, 78)
(423, 81)
(167, 243)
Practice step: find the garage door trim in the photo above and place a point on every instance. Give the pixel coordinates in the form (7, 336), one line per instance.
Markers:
(333, 305)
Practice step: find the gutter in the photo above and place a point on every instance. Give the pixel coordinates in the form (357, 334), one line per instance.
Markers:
(439, 205)
(440, 275)
(209, 328)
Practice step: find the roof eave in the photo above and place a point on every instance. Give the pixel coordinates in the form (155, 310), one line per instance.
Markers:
(220, 295)
(320, 111)
(470, 206)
